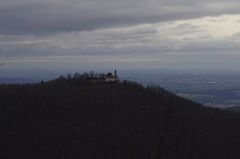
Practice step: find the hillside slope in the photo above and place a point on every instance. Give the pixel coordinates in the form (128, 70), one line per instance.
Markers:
(77, 118)
(234, 109)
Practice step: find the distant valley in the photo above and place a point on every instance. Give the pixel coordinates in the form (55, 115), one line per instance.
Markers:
(215, 90)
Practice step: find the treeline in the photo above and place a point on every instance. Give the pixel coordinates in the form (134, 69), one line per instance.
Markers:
(85, 75)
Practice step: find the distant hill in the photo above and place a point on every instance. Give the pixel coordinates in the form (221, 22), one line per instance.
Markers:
(234, 109)
(81, 118)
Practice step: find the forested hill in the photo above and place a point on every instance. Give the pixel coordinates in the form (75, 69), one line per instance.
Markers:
(82, 118)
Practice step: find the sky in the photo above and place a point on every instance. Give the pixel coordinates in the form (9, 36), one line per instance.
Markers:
(72, 35)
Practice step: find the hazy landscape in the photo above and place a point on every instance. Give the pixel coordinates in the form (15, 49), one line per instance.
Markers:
(127, 79)
(217, 89)
(211, 89)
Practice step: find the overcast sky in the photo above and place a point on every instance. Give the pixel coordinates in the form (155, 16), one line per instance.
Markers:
(122, 34)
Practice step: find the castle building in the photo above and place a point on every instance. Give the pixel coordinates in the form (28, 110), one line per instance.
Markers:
(112, 78)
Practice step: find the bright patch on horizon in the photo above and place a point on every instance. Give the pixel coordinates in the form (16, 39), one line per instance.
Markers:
(212, 26)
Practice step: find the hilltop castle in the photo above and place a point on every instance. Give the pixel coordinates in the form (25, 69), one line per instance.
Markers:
(111, 78)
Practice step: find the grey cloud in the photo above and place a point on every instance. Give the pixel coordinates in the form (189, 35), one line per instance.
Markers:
(136, 40)
(100, 42)
(236, 36)
(33, 17)
(1, 63)
(206, 45)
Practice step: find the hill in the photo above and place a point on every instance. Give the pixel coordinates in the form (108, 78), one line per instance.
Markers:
(234, 109)
(81, 117)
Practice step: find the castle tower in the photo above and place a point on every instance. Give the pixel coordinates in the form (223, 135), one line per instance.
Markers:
(115, 74)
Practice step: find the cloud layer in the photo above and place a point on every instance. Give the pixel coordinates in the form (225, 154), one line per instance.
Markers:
(47, 16)
(203, 35)
(123, 31)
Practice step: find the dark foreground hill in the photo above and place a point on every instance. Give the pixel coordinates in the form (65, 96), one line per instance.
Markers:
(234, 109)
(76, 118)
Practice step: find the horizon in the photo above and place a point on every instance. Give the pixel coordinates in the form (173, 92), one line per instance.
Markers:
(213, 89)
